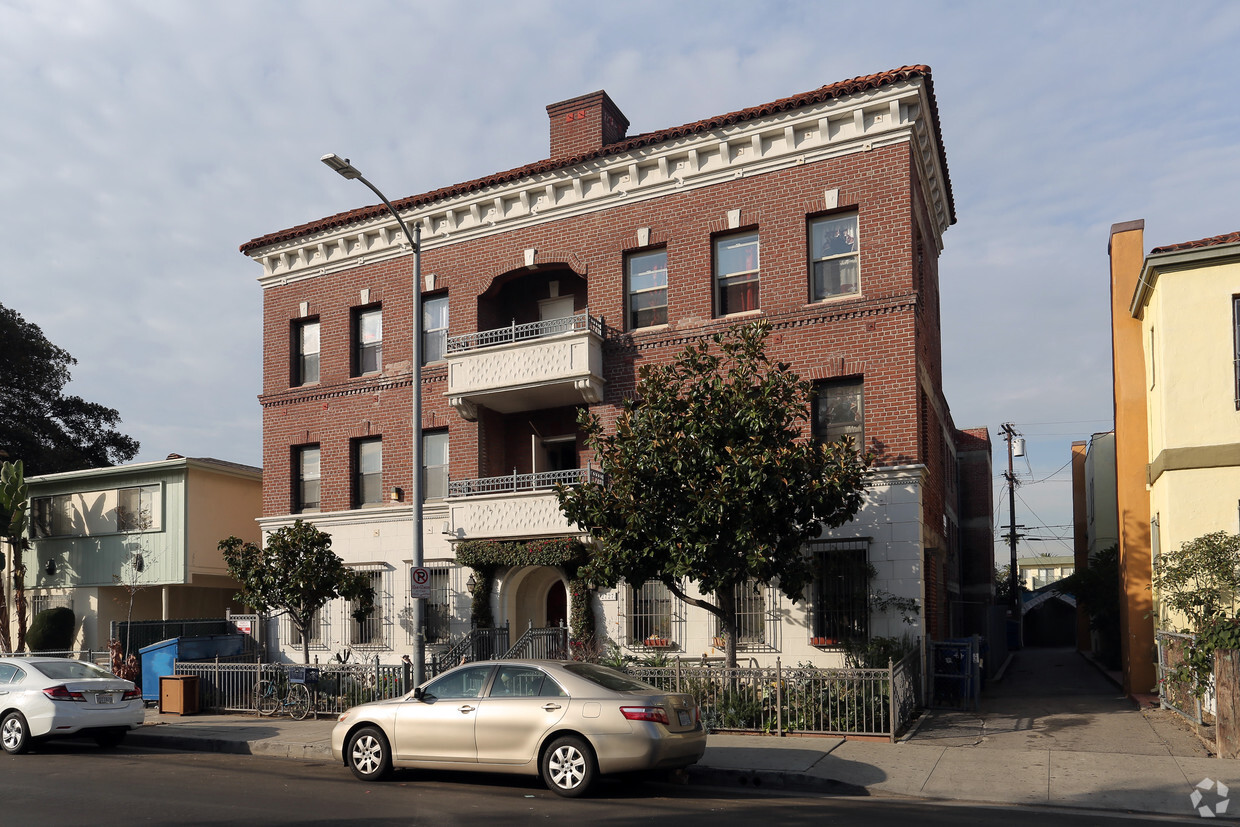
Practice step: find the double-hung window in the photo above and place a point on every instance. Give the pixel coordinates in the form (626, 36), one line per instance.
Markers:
(646, 277)
(434, 465)
(367, 472)
(839, 410)
(306, 460)
(434, 328)
(834, 258)
(736, 273)
(306, 352)
(367, 340)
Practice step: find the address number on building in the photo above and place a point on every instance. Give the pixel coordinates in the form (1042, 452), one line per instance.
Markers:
(420, 583)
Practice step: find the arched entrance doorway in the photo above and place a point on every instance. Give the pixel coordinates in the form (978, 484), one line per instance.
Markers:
(534, 597)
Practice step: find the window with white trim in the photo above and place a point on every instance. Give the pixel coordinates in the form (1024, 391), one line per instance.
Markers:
(834, 259)
(839, 410)
(306, 465)
(367, 472)
(646, 283)
(305, 352)
(434, 328)
(737, 269)
(92, 513)
(367, 340)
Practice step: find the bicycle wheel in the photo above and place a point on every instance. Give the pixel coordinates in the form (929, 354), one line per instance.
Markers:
(265, 699)
(298, 701)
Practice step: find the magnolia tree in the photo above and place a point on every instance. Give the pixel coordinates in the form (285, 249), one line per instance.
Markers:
(710, 479)
(296, 573)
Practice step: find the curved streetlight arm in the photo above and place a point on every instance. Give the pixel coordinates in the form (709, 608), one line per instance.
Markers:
(350, 172)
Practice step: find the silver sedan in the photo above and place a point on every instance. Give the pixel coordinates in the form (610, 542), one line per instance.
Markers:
(567, 722)
(52, 697)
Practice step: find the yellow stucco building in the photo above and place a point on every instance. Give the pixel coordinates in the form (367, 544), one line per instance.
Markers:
(1175, 335)
(1187, 301)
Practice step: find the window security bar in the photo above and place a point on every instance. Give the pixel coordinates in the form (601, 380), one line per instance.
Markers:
(515, 482)
(524, 332)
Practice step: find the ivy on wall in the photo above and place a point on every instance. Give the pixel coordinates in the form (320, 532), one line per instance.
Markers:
(568, 555)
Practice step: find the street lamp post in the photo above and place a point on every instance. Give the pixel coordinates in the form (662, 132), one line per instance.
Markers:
(350, 172)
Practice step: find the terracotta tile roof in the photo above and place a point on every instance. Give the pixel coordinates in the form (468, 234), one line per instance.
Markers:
(825, 93)
(1229, 238)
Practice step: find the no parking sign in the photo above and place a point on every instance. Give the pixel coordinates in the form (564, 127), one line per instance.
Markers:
(420, 583)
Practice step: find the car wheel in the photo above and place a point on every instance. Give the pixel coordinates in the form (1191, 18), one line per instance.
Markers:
(109, 738)
(14, 734)
(368, 754)
(568, 767)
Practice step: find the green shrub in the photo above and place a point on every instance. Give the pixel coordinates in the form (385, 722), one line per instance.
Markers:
(52, 630)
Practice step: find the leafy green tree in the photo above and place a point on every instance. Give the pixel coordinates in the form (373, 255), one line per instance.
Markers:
(1201, 579)
(296, 572)
(710, 479)
(49, 430)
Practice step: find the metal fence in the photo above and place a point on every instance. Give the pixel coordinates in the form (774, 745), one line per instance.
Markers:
(800, 699)
(514, 482)
(232, 687)
(1177, 695)
(140, 633)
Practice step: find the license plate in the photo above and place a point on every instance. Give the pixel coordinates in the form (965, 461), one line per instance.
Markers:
(105, 698)
(684, 717)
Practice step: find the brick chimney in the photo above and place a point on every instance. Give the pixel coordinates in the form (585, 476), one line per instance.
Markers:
(585, 124)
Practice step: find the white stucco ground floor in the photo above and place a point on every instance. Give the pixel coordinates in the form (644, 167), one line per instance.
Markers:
(870, 584)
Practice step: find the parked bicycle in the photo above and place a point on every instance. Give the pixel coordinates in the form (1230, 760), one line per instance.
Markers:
(291, 696)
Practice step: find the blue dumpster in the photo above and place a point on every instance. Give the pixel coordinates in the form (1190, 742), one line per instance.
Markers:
(159, 659)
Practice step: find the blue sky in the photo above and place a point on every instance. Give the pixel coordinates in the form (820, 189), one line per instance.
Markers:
(142, 142)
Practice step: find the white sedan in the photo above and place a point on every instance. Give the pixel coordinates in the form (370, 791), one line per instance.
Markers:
(53, 697)
(567, 722)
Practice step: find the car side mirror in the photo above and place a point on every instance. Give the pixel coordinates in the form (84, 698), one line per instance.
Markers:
(418, 693)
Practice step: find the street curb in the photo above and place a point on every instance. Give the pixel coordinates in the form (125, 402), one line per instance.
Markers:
(189, 743)
(770, 781)
(748, 780)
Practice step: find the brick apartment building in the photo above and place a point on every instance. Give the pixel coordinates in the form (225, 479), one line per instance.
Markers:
(544, 287)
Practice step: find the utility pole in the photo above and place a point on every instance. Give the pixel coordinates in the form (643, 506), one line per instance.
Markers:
(1009, 435)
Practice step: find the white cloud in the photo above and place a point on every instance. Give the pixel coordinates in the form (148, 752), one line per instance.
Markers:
(144, 141)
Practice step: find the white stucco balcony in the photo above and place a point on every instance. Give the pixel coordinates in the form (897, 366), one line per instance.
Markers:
(512, 506)
(526, 367)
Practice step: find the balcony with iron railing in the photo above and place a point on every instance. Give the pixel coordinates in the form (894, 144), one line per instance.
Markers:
(514, 505)
(525, 367)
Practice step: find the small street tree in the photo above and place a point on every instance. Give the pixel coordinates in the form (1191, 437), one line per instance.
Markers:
(297, 573)
(710, 479)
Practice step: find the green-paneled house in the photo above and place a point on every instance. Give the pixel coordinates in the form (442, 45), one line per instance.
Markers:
(147, 532)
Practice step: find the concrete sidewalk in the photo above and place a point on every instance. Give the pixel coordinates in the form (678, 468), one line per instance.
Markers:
(1048, 735)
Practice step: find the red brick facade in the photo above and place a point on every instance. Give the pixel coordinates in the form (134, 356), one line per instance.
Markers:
(887, 333)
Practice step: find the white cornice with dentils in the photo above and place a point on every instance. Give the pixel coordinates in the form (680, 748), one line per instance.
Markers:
(888, 116)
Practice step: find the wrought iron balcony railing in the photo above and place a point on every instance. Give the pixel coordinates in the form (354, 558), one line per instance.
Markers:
(515, 483)
(525, 332)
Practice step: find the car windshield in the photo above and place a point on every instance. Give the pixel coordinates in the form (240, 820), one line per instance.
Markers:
(70, 669)
(609, 678)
